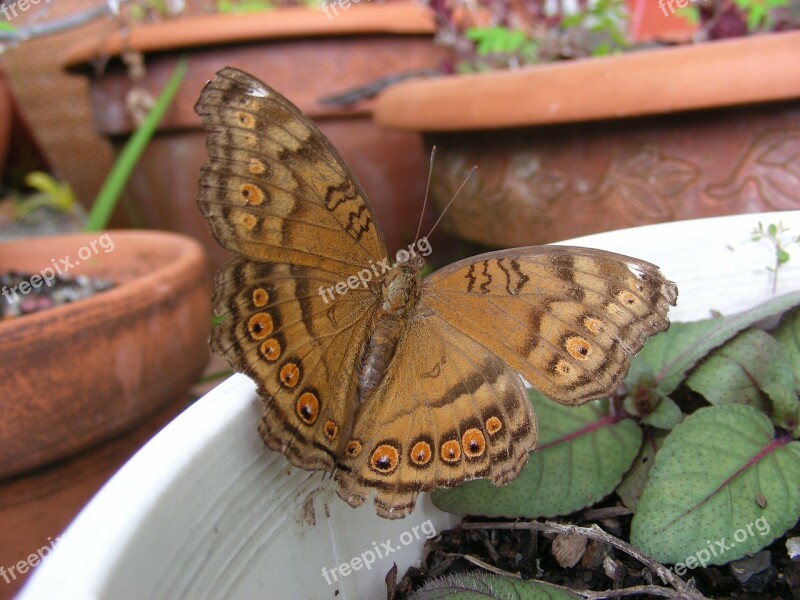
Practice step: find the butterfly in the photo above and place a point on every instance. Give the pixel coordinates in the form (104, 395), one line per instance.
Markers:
(395, 383)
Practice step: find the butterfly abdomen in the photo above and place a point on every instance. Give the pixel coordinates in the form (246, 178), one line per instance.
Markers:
(378, 353)
(400, 290)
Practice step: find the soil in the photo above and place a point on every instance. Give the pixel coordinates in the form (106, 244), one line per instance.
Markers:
(768, 575)
(25, 293)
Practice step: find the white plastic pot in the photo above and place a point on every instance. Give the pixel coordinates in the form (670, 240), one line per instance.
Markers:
(204, 511)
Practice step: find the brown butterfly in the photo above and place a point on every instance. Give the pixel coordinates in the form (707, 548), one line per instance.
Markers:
(396, 383)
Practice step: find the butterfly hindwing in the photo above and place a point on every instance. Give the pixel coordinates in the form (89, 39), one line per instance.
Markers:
(302, 351)
(447, 410)
(568, 319)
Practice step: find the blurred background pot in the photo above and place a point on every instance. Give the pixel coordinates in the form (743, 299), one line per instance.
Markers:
(85, 384)
(572, 148)
(79, 374)
(35, 507)
(303, 53)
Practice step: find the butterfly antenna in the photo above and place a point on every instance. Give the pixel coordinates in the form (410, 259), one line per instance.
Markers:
(458, 191)
(427, 189)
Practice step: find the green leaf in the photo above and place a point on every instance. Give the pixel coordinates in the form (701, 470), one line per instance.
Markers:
(496, 40)
(788, 335)
(750, 369)
(632, 485)
(721, 482)
(573, 20)
(52, 193)
(667, 414)
(653, 406)
(783, 256)
(243, 6)
(126, 161)
(691, 14)
(772, 230)
(470, 586)
(671, 354)
(583, 453)
(756, 14)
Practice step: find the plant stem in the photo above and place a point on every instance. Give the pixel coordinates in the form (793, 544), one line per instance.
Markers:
(125, 163)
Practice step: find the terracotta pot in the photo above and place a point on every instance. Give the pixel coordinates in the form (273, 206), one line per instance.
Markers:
(36, 507)
(79, 374)
(303, 54)
(650, 20)
(574, 148)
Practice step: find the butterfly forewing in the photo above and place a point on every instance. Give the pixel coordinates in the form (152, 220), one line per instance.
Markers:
(568, 319)
(275, 189)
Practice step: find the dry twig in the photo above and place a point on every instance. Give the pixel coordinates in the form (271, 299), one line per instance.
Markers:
(683, 590)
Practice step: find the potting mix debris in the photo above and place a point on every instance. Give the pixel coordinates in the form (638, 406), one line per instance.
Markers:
(580, 564)
(18, 301)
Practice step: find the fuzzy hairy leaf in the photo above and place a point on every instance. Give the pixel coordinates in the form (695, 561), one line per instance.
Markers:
(750, 369)
(468, 586)
(788, 335)
(722, 486)
(653, 407)
(632, 485)
(669, 355)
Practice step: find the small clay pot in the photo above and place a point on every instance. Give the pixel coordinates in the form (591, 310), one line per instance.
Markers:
(36, 507)
(573, 148)
(78, 374)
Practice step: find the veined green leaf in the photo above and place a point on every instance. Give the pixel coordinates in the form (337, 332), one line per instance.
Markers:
(670, 355)
(750, 369)
(722, 486)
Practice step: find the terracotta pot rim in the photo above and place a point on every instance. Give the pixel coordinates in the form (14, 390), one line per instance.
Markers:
(400, 18)
(187, 251)
(653, 81)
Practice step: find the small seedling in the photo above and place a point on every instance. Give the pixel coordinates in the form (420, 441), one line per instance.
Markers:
(779, 237)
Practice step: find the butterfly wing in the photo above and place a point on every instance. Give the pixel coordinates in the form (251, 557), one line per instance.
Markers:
(302, 351)
(278, 195)
(447, 410)
(568, 319)
(275, 188)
